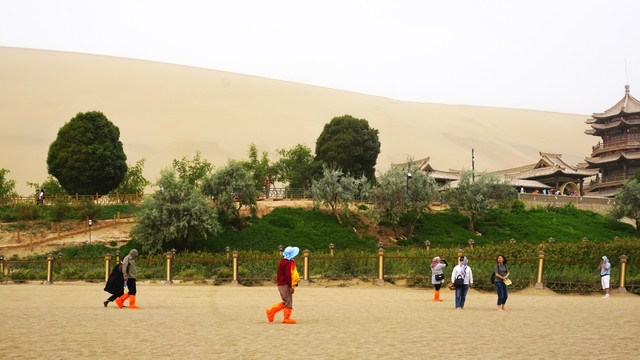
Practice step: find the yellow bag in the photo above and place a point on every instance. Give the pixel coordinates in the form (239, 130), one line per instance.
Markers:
(295, 277)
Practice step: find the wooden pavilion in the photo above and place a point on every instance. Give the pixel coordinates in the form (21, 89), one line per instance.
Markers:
(617, 155)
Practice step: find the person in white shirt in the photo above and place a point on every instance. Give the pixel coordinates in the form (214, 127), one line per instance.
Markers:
(464, 271)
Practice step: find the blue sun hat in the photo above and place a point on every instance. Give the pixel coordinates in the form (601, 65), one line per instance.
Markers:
(290, 252)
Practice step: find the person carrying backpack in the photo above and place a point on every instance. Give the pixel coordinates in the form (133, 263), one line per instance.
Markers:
(463, 278)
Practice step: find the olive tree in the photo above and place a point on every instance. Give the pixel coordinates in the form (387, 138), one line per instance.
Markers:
(627, 202)
(87, 156)
(174, 215)
(233, 188)
(403, 195)
(338, 191)
(474, 197)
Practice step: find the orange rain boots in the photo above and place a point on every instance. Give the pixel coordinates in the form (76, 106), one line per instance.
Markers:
(132, 303)
(287, 315)
(271, 313)
(121, 299)
(436, 297)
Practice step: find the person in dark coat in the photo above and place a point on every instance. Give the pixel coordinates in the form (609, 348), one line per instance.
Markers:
(115, 284)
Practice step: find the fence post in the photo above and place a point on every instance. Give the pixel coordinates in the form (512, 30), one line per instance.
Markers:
(235, 267)
(380, 266)
(623, 273)
(1, 264)
(50, 259)
(169, 256)
(305, 267)
(107, 266)
(539, 284)
(459, 256)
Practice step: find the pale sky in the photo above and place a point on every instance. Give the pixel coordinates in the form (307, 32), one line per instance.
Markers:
(562, 56)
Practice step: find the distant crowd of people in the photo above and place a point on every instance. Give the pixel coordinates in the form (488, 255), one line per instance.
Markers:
(552, 191)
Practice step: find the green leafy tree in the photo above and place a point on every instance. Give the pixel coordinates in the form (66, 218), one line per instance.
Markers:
(295, 165)
(260, 167)
(233, 188)
(338, 191)
(134, 182)
(475, 198)
(399, 197)
(349, 144)
(193, 171)
(50, 185)
(87, 156)
(173, 216)
(7, 186)
(627, 202)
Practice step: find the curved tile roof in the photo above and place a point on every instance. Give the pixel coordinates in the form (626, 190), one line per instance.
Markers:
(627, 105)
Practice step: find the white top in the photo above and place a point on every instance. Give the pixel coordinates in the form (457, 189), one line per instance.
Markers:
(467, 274)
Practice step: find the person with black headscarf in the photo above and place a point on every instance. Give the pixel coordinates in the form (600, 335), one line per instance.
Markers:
(115, 284)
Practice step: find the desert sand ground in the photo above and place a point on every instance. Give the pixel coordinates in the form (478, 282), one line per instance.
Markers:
(359, 321)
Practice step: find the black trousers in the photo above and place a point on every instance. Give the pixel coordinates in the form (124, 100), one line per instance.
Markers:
(114, 296)
(131, 284)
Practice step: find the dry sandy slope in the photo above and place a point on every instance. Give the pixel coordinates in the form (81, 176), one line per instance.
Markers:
(360, 322)
(169, 111)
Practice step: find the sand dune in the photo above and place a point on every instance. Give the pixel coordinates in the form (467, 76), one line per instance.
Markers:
(168, 111)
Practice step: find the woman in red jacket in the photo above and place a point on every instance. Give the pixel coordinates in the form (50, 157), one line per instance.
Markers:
(288, 279)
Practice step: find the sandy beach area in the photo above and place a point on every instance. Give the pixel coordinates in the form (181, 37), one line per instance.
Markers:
(357, 321)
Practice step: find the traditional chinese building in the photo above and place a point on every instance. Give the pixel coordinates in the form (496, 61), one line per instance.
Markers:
(617, 155)
(552, 171)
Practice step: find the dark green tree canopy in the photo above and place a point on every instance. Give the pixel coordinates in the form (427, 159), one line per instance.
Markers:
(87, 156)
(350, 145)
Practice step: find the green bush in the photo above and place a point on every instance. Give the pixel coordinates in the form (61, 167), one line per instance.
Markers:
(86, 208)
(27, 211)
(59, 209)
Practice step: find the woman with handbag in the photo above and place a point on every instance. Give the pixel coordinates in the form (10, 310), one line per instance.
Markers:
(462, 277)
(501, 277)
(437, 276)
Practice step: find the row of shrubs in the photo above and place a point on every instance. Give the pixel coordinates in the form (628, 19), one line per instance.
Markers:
(570, 266)
(62, 209)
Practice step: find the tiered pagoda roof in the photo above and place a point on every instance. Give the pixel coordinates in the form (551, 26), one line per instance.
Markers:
(627, 105)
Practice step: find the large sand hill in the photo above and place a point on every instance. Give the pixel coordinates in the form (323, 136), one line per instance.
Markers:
(169, 111)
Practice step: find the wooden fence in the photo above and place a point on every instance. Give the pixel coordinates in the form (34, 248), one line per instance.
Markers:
(136, 199)
(557, 275)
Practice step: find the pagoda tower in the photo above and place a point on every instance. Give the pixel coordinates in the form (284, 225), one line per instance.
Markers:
(617, 155)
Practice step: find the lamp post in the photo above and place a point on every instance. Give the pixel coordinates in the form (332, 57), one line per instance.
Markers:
(408, 177)
(331, 247)
(89, 231)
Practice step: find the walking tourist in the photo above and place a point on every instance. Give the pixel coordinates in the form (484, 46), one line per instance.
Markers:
(129, 273)
(115, 284)
(287, 278)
